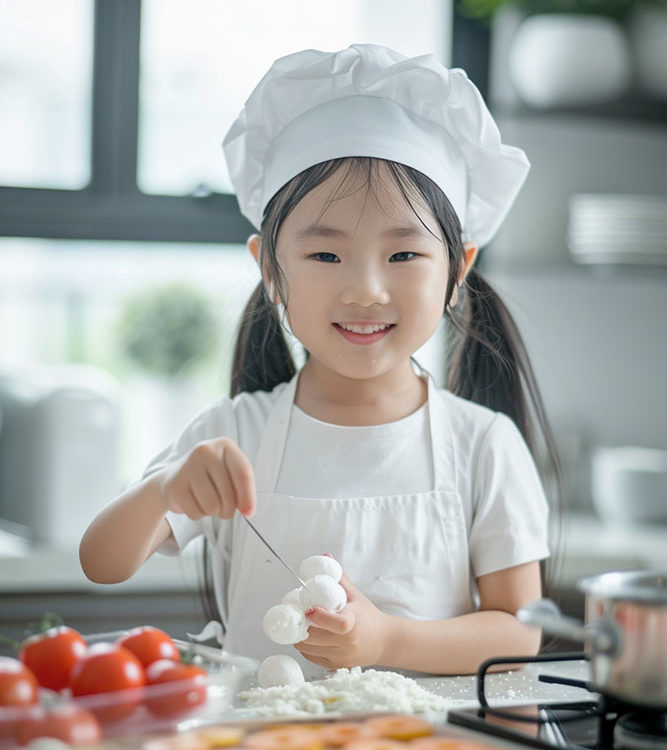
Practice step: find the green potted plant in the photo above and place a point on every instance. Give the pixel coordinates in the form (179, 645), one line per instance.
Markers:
(166, 334)
(167, 331)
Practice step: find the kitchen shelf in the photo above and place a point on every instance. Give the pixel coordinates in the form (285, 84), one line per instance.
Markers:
(628, 109)
(566, 269)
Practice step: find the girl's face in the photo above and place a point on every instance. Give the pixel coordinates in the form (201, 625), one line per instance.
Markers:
(366, 276)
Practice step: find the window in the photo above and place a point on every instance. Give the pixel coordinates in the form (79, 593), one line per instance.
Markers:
(187, 97)
(112, 180)
(45, 107)
(167, 79)
(64, 307)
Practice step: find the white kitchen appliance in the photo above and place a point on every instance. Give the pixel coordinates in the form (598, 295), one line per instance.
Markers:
(629, 485)
(59, 450)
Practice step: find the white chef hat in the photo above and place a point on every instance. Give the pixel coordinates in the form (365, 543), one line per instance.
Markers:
(368, 100)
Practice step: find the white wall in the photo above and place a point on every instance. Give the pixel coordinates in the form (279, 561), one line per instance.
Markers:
(599, 346)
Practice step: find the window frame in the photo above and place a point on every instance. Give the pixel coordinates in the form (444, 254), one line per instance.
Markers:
(111, 206)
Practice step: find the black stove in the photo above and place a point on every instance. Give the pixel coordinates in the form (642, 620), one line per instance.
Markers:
(602, 723)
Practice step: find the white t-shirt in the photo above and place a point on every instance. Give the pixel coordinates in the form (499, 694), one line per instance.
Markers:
(389, 458)
(503, 501)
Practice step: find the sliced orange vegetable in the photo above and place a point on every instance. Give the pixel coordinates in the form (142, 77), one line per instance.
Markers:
(291, 737)
(185, 741)
(297, 725)
(446, 743)
(340, 733)
(222, 736)
(375, 743)
(398, 727)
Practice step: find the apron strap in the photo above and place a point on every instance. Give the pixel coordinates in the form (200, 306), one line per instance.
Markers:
(272, 446)
(442, 440)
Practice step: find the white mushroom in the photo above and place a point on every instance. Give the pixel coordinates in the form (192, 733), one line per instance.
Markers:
(285, 624)
(320, 565)
(323, 591)
(279, 669)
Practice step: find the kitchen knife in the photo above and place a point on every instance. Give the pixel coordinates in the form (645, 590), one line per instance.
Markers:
(271, 550)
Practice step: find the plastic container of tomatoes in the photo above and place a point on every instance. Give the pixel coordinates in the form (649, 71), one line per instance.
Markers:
(200, 691)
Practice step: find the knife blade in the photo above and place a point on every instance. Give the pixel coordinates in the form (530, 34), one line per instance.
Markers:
(271, 550)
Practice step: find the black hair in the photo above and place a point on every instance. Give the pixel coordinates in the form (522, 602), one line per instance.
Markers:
(487, 361)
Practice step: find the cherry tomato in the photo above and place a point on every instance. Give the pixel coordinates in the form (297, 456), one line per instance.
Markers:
(52, 654)
(108, 668)
(174, 688)
(149, 644)
(18, 689)
(18, 685)
(65, 722)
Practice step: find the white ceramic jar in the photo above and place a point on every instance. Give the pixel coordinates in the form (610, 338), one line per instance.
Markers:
(563, 60)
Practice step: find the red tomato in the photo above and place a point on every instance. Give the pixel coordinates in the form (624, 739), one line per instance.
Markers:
(108, 668)
(18, 689)
(149, 644)
(65, 722)
(174, 688)
(52, 654)
(18, 685)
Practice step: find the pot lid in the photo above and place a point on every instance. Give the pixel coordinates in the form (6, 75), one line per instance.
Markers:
(640, 586)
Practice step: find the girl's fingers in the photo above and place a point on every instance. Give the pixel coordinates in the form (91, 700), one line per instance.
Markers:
(224, 488)
(350, 588)
(240, 472)
(317, 642)
(205, 495)
(339, 624)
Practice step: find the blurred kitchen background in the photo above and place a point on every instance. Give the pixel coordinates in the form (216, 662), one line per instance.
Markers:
(123, 269)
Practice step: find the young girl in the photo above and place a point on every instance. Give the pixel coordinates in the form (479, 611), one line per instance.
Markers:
(373, 179)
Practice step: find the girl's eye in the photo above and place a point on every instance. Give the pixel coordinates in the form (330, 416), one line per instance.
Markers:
(400, 257)
(326, 257)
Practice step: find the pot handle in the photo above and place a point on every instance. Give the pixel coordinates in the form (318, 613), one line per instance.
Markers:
(601, 635)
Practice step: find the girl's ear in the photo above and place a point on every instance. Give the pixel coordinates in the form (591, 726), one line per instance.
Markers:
(469, 255)
(254, 244)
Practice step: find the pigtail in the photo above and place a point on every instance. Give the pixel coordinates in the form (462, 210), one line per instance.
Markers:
(489, 365)
(262, 358)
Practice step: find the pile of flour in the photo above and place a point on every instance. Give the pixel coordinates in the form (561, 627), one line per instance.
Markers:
(346, 691)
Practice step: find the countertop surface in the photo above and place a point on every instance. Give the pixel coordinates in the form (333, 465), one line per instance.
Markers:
(344, 693)
(26, 567)
(588, 547)
(516, 687)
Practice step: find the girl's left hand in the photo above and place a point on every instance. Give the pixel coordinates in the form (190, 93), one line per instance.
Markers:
(355, 636)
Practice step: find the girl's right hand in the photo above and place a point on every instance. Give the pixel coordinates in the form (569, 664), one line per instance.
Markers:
(214, 479)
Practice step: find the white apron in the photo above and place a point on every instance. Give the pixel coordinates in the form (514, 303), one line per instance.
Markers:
(407, 553)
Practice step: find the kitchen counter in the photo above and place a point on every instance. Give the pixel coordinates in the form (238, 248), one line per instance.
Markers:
(589, 547)
(38, 579)
(26, 567)
(515, 687)
(346, 693)
(512, 688)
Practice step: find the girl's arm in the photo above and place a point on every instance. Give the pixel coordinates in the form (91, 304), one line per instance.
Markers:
(362, 634)
(214, 479)
(125, 533)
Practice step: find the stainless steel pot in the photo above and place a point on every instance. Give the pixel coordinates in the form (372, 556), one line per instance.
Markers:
(625, 633)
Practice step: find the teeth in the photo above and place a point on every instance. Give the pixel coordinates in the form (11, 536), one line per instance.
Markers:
(363, 329)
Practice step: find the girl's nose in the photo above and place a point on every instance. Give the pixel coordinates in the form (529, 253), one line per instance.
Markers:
(365, 287)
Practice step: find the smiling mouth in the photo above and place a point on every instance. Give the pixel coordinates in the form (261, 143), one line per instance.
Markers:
(364, 329)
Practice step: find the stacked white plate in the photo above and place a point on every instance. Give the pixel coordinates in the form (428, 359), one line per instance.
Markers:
(617, 228)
